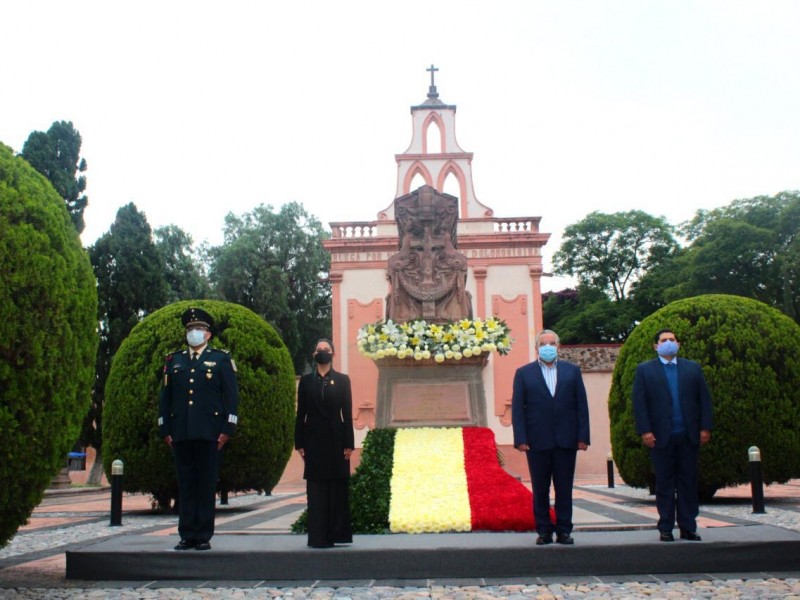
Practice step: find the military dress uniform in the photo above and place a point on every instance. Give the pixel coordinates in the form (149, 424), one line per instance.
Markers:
(198, 402)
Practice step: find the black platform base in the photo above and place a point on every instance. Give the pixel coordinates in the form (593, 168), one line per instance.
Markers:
(436, 556)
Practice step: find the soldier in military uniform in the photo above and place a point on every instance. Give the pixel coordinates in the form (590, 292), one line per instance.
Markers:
(197, 416)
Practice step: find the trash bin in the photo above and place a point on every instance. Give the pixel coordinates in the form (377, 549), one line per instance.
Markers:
(76, 461)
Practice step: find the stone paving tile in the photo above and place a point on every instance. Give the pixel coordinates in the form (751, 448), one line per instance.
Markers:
(71, 520)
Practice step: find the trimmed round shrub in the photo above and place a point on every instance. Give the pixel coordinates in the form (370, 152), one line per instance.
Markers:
(48, 339)
(256, 455)
(750, 354)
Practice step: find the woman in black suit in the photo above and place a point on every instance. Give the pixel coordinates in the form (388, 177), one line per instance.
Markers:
(323, 435)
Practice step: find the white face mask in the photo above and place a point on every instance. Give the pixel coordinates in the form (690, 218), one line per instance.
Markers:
(195, 337)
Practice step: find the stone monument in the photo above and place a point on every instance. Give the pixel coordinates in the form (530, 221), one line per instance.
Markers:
(428, 275)
(427, 278)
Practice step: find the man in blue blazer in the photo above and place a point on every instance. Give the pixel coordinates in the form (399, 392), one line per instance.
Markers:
(672, 410)
(550, 417)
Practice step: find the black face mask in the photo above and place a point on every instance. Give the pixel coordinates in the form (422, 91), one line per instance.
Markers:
(323, 358)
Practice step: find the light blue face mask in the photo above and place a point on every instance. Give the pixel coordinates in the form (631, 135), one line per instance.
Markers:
(667, 348)
(195, 337)
(548, 353)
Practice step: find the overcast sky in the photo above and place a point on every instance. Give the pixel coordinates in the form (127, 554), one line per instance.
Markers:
(194, 109)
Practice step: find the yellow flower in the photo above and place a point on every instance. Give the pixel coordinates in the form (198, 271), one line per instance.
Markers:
(429, 483)
(472, 337)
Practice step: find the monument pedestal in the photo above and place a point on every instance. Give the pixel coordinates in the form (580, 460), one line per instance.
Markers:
(424, 393)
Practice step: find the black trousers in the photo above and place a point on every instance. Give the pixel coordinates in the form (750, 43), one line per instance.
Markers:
(676, 484)
(556, 465)
(197, 464)
(329, 512)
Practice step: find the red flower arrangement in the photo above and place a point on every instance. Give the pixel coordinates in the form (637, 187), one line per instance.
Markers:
(498, 501)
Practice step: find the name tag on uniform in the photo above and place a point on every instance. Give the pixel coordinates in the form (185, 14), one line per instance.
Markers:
(208, 363)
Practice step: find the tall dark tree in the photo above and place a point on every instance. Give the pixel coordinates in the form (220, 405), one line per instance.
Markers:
(130, 285)
(274, 264)
(56, 155)
(611, 251)
(588, 316)
(183, 269)
(749, 248)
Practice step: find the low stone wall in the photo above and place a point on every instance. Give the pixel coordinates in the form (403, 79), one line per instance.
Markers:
(591, 357)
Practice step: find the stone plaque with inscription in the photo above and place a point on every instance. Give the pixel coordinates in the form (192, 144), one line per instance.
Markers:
(430, 395)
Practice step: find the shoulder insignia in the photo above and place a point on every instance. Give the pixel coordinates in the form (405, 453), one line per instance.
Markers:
(233, 365)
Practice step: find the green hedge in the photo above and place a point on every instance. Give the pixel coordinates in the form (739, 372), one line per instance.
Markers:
(370, 485)
(257, 454)
(48, 339)
(750, 354)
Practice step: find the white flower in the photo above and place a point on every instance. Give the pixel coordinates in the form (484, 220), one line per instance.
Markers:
(421, 340)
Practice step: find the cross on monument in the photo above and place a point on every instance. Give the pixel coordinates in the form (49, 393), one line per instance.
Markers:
(432, 89)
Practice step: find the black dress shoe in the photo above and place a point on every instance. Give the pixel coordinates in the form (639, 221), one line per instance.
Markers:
(690, 535)
(543, 540)
(564, 538)
(202, 546)
(184, 545)
(666, 536)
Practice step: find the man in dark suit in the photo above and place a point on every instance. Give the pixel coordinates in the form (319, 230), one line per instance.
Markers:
(550, 417)
(197, 416)
(672, 409)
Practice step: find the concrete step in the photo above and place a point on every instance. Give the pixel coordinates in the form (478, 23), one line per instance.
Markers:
(286, 558)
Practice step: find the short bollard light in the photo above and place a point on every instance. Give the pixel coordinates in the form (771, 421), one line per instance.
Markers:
(756, 479)
(610, 468)
(117, 471)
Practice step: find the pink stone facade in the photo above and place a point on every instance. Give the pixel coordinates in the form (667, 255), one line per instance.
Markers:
(504, 276)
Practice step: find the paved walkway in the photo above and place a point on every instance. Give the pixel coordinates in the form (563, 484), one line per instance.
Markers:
(33, 563)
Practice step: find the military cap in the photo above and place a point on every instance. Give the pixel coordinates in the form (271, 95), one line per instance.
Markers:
(197, 316)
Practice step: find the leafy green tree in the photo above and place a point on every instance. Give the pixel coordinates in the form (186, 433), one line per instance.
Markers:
(750, 354)
(130, 285)
(48, 340)
(610, 251)
(587, 316)
(655, 288)
(750, 248)
(183, 268)
(257, 454)
(275, 265)
(56, 155)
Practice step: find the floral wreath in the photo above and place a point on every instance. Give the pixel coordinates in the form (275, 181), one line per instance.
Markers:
(420, 340)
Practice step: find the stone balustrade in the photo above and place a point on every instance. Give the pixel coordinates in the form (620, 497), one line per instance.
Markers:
(354, 229)
(369, 229)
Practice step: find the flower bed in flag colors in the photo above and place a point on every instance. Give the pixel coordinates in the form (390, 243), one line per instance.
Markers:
(449, 479)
